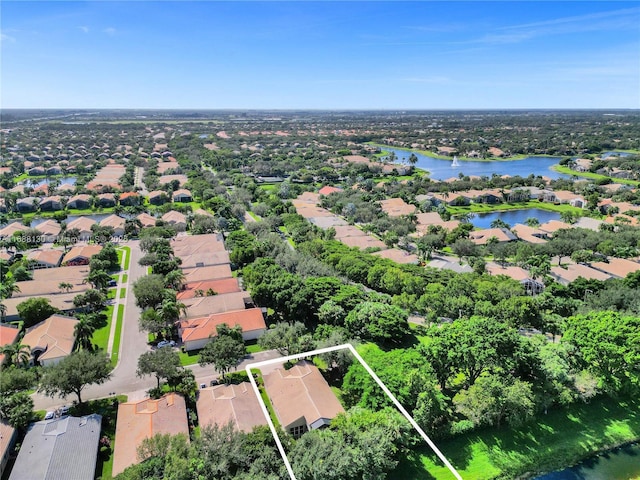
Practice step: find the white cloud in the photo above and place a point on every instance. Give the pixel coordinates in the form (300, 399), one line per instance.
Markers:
(7, 38)
(84, 29)
(110, 31)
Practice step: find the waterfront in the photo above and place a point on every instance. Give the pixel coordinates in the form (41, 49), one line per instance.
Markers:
(511, 217)
(620, 464)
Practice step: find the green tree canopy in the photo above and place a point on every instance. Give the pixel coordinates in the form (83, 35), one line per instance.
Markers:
(75, 372)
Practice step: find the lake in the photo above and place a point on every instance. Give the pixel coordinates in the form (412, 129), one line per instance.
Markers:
(483, 220)
(441, 169)
(620, 464)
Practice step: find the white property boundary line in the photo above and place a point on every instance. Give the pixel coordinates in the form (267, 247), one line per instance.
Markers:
(373, 375)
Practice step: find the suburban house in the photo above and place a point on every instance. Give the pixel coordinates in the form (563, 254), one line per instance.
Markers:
(569, 273)
(129, 199)
(106, 200)
(44, 258)
(301, 398)
(65, 447)
(83, 224)
(51, 203)
(198, 274)
(8, 336)
(197, 332)
(530, 234)
(27, 204)
(209, 287)
(617, 267)
(328, 190)
(176, 219)
(189, 244)
(158, 197)
(50, 230)
(482, 237)
(398, 256)
(201, 259)
(8, 230)
(146, 220)
(144, 419)
(396, 207)
(51, 340)
(182, 195)
(8, 436)
(81, 255)
(204, 306)
(115, 222)
(235, 404)
(80, 202)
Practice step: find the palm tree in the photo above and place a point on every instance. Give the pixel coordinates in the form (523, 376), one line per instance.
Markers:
(65, 286)
(499, 223)
(16, 354)
(174, 279)
(84, 331)
(532, 222)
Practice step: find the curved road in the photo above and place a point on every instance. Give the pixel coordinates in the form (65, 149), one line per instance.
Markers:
(132, 344)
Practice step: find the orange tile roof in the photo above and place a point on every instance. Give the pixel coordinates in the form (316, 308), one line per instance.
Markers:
(237, 404)
(301, 391)
(55, 336)
(220, 286)
(144, 419)
(202, 328)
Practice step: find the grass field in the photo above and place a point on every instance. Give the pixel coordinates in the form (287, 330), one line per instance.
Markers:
(101, 336)
(126, 251)
(189, 358)
(551, 442)
(118, 333)
(593, 176)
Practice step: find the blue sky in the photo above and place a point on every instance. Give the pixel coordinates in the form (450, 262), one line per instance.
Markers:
(321, 55)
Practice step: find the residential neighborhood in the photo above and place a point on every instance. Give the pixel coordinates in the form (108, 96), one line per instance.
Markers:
(145, 265)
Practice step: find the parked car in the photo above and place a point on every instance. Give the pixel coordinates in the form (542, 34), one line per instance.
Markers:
(64, 410)
(203, 385)
(49, 415)
(166, 343)
(214, 382)
(112, 283)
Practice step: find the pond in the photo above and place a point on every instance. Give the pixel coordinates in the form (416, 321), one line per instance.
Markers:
(620, 464)
(35, 183)
(441, 169)
(511, 217)
(95, 216)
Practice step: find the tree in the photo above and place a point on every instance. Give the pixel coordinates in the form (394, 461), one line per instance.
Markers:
(174, 279)
(65, 287)
(378, 322)
(75, 372)
(492, 399)
(149, 291)
(223, 351)
(608, 345)
(35, 310)
(287, 338)
(84, 330)
(532, 222)
(99, 279)
(93, 300)
(163, 363)
(16, 409)
(16, 354)
(101, 234)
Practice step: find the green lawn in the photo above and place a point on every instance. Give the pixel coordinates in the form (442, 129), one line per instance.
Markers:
(255, 348)
(127, 252)
(123, 292)
(118, 333)
(551, 442)
(253, 215)
(125, 277)
(189, 358)
(593, 176)
(101, 336)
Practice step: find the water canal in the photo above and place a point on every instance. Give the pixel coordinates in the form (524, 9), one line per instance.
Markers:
(620, 464)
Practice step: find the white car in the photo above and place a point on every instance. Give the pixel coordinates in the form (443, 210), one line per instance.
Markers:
(50, 415)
